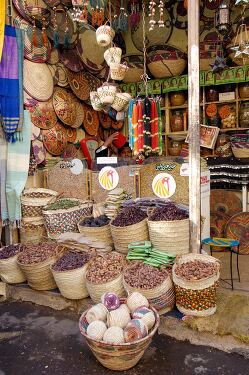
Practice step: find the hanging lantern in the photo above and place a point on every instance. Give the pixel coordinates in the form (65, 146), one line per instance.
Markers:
(222, 17)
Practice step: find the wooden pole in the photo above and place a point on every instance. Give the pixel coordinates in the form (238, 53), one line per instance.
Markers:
(194, 125)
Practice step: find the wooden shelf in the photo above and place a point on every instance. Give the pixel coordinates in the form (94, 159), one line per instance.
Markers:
(175, 107)
(177, 133)
(232, 129)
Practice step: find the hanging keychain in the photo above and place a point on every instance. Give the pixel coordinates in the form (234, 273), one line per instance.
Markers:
(161, 18)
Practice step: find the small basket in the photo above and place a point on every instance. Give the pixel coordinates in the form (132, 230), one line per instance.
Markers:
(122, 235)
(118, 357)
(33, 200)
(32, 232)
(118, 71)
(10, 272)
(96, 290)
(102, 234)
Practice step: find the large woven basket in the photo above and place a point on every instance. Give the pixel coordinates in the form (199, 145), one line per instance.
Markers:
(96, 290)
(136, 68)
(71, 283)
(10, 272)
(66, 220)
(162, 298)
(32, 232)
(122, 236)
(99, 233)
(170, 236)
(197, 298)
(118, 357)
(33, 200)
(39, 275)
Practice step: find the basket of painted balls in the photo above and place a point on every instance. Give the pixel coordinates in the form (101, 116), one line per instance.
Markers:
(118, 330)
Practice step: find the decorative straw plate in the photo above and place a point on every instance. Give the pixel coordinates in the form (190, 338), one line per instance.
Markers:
(68, 108)
(22, 8)
(70, 151)
(224, 202)
(54, 72)
(43, 115)
(39, 151)
(71, 134)
(37, 81)
(62, 24)
(35, 132)
(55, 139)
(62, 71)
(79, 84)
(91, 121)
(71, 60)
(54, 56)
(238, 229)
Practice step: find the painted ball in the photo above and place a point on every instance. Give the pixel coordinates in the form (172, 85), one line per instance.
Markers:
(110, 300)
(146, 315)
(135, 330)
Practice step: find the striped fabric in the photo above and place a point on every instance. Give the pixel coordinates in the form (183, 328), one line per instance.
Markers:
(222, 242)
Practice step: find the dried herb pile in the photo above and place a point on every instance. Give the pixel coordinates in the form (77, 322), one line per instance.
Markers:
(196, 270)
(36, 253)
(62, 204)
(71, 260)
(10, 251)
(168, 213)
(128, 216)
(106, 268)
(140, 275)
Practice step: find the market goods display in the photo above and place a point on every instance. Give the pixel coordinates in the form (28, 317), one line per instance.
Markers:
(32, 231)
(146, 315)
(64, 215)
(97, 227)
(105, 273)
(10, 272)
(35, 262)
(68, 108)
(69, 273)
(34, 199)
(110, 301)
(55, 139)
(131, 222)
(153, 283)
(169, 229)
(115, 347)
(196, 279)
(43, 115)
(113, 202)
(37, 80)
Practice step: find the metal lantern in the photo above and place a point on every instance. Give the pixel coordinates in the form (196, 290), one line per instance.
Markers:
(222, 17)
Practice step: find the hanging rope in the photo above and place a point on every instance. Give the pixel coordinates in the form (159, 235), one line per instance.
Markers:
(144, 76)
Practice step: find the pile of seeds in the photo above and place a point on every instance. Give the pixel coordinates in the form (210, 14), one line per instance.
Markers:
(140, 275)
(168, 213)
(196, 270)
(71, 261)
(62, 204)
(36, 253)
(128, 216)
(99, 221)
(106, 268)
(10, 251)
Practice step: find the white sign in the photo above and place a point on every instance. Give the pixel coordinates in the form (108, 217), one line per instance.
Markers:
(76, 166)
(164, 185)
(108, 178)
(107, 160)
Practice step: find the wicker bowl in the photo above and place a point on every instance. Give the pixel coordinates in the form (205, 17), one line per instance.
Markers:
(118, 357)
(166, 61)
(136, 68)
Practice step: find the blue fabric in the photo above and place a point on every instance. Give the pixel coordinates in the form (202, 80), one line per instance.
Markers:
(222, 242)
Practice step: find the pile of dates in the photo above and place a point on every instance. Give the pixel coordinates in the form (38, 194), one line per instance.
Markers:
(106, 268)
(71, 261)
(128, 216)
(36, 253)
(143, 276)
(168, 213)
(10, 251)
(196, 270)
(99, 221)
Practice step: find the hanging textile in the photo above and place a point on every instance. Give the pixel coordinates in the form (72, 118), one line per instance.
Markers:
(9, 84)
(160, 140)
(154, 127)
(140, 127)
(2, 24)
(135, 128)
(130, 127)
(20, 47)
(3, 168)
(146, 123)
(17, 170)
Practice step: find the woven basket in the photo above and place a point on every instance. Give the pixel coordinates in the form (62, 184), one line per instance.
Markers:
(72, 283)
(10, 272)
(136, 68)
(66, 220)
(33, 200)
(170, 236)
(122, 236)
(96, 290)
(240, 152)
(118, 357)
(32, 232)
(197, 298)
(39, 275)
(162, 298)
(99, 233)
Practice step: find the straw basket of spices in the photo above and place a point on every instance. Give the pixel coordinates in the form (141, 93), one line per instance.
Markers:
(105, 273)
(97, 228)
(33, 200)
(64, 215)
(119, 356)
(35, 262)
(10, 272)
(196, 279)
(153, 283)
(33, 232)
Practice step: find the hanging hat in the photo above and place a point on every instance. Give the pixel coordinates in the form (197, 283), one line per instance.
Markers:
(37, 80)
(68, 108)
(55, 139)
(43, 115)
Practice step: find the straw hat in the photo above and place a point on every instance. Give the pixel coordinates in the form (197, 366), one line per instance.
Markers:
(79, 84)
(37, 80)
(91, 121)
(68, 108)
(62, 75)
(24, 10)
(43, 115)
(55, 139)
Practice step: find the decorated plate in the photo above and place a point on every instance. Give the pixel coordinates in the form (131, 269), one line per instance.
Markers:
(68, 108)
(28, 101)
(22, 8)
(39, 151)
(43, 115)
(224, 202)
(55, 139)
(71, 60)
(79, 84)
(91, 121)
(54, 72)
(80, 134)
(35, 132)
(70, 151)
(105, 120)
(71, 134)
(54, 56)
(91, 54)
(238, 229)
(93, 81)
(62, 75)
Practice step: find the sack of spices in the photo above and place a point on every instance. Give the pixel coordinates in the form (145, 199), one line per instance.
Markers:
(96, 227)
(10, 272)
(196, 279)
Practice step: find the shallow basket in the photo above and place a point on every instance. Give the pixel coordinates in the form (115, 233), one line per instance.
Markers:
(10, 272)
(240, 152)
(136, 68)
(66, 220)
(96, 290)
(197, 298)
(39, 275)
(161, 298)
(33, 200)
(99, 233)
(72, 283)
(170, 236)
(122, 236)
(118, 357)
